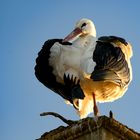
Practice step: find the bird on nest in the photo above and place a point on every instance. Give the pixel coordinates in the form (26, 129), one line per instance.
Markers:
(84, 69)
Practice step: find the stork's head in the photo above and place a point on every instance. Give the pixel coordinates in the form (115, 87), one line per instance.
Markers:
(83, 27)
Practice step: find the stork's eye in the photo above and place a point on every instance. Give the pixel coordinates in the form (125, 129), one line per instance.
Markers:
(84, 24)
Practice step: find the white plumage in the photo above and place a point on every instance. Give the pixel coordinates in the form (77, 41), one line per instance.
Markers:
(75, 59)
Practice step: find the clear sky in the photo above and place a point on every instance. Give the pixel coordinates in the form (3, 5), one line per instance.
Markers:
(24, 26)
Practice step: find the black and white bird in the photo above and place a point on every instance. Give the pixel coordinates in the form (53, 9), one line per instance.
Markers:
(85, 70)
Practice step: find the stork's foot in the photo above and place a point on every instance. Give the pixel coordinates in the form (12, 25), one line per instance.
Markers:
(96, 112)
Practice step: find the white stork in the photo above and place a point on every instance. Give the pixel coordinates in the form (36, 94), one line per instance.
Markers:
(85, 70)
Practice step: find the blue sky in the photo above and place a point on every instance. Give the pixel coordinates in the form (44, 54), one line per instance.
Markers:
(24, 26)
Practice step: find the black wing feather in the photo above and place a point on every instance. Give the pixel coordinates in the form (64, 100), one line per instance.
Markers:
(43, 70)
(110, 61)
(112, 39)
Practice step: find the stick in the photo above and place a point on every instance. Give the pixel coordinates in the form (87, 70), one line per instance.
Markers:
(69, 122)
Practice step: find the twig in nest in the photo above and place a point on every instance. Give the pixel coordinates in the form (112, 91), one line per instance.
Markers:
(111, 115)
(69, 122)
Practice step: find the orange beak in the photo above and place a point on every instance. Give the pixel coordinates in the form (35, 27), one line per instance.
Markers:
(76, 32)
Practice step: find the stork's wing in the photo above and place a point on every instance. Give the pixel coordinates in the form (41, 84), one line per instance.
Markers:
(111, 64)
(112, 39)
(44, 72)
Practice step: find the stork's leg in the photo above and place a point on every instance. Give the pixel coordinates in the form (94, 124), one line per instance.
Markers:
(95, 108)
